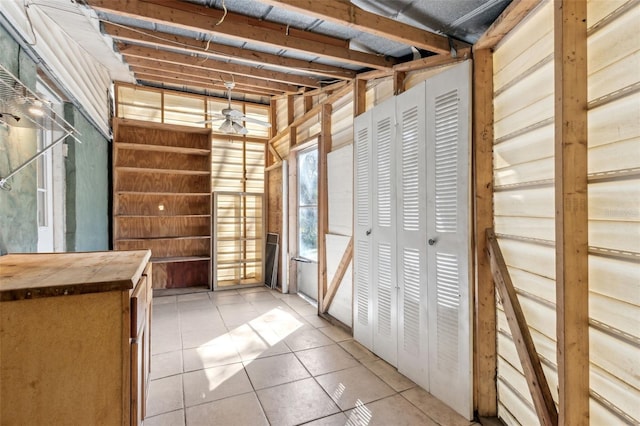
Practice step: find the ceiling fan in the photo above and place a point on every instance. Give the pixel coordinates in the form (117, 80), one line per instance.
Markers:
(232, 119)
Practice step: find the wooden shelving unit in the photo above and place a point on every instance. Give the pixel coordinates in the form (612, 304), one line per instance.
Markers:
(162, 199)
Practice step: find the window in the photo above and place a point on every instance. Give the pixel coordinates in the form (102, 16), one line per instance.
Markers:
(308, 204)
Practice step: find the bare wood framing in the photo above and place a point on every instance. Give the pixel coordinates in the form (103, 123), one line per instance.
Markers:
(360, 97)
(178, 80)
(536, 380)
(345, 13)
(238, 27)
(398, 82)
(572, 269)
(290, 109)
(433, 61)
(337, 278)
(323, 200)
(508, 19)
(214, 65)
(212, 76)
(171, 41)
(485, 323)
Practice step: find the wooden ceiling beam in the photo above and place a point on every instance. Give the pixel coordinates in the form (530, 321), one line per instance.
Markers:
(194, 88)
(344, 13)
(129, 50)
(150, 74)
(199, 18)
(508, 19)
(213, 76)
(253, 57)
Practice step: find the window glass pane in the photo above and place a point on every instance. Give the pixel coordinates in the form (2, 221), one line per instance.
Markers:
(308, 232)
(308, 204)
(42, 208)
(308, 178)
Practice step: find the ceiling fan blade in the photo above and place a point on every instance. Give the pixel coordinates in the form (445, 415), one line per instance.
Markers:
(254, 121)
(211, 120)
(232, 113)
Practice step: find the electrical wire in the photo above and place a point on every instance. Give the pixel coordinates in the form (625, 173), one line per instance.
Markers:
(177, 43)
(26, 11)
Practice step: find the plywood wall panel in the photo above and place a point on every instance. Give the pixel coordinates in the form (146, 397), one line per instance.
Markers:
(151, 136)
(147, 182)
(170, 204)
(161, 160)
(155, 227)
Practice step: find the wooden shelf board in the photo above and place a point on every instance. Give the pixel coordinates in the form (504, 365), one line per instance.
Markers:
(193, 237)
(164, 171)
(177, 194)
(177, 259)
(163, 148)
(170, 216)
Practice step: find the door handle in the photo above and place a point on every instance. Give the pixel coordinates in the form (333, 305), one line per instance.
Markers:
(368, 232)
(432, 241)
(301, 259)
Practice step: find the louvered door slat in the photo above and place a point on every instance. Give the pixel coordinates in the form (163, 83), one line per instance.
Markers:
(384, 233)
(363, 277)
(449, 307)
(411, 237)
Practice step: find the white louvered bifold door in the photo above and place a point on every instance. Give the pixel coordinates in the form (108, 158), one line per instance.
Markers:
(385, 291)
(412, 237)
(362, 272)
(448, 230)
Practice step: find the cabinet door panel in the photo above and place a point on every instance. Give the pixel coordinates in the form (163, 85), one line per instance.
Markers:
(385, 284)
(412, 237)
(448, 230)
(362, 309)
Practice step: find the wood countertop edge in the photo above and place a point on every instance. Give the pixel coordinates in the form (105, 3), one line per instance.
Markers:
(7, 295)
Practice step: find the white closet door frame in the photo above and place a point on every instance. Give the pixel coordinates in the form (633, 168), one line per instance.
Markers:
(448, 228)
(362, 228)
(412, 236)
(385, 283)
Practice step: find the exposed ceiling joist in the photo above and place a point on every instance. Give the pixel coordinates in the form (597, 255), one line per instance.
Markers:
(238, 27)
(345, 13)
(211, 76)
(214, 65)
(151, 74)
(190, 45)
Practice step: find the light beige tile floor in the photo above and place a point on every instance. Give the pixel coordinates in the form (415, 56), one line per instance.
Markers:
(257, 357)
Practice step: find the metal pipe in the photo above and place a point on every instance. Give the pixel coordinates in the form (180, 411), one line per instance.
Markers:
(3, 181)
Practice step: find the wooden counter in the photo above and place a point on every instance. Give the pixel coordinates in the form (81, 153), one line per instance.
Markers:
(74, 337)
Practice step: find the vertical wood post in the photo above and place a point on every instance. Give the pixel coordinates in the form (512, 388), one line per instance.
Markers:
(290, 109)
(485, 389)
(572, 284)
(323, 200)
(359, 97)
(398, 82)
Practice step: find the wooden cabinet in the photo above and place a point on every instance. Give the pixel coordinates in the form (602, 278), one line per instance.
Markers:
(162, 198)
(74, 338)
